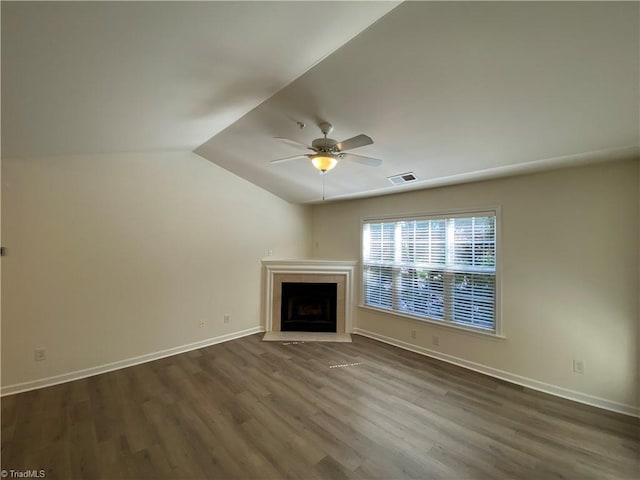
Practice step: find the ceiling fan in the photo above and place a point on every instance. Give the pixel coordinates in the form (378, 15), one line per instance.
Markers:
(327, 151)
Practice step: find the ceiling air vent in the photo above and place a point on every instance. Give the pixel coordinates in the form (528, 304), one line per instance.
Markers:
(403, 178)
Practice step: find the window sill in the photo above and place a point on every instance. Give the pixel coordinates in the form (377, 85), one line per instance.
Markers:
(448, 325)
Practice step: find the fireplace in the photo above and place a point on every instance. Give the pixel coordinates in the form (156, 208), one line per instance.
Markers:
(308, 307)
(335, 275)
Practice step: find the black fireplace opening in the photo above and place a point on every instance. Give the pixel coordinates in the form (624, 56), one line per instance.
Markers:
(309, 307)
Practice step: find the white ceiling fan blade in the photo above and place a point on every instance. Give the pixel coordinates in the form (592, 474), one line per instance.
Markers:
(288, 159)
(369, 161)
(354, 142)
(295, 143)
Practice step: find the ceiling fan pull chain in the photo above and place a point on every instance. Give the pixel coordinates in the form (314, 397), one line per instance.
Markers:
(324, 174)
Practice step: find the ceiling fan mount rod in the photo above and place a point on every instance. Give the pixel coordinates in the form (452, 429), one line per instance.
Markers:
(326, 128)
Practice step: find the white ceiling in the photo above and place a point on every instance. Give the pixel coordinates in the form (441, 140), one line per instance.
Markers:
(451, 91)
(104, 77)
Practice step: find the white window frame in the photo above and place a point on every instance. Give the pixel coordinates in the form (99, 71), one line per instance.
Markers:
(447, 323)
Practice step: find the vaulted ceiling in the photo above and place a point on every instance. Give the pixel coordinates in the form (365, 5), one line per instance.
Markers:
(452, 91)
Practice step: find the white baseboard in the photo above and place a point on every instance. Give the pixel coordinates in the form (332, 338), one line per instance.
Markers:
(89, 372)
(509, 377)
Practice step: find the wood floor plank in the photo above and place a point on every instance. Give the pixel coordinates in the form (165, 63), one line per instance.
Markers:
(316, 434)
(83, 443)
(213, 452)
(278, 451)
(180, 455)
(248, 409)
(289, 437)
(57, 458)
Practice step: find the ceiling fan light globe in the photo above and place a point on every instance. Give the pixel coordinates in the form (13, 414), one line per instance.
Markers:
(324, 163)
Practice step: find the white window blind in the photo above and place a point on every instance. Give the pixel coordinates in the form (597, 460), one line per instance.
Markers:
(439, 268)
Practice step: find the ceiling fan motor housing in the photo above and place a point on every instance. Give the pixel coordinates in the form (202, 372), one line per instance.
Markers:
(327, 145)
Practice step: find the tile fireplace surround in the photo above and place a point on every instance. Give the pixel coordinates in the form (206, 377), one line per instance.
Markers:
(308, 271)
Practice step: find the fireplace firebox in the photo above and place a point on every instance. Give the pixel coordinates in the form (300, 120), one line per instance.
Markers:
(309, 307)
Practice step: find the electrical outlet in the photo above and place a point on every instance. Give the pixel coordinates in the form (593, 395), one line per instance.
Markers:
(578, 366)
(39, 354)
(227, 318)
(202, 323)
(435, 340)
(414, 334)
(270, 252)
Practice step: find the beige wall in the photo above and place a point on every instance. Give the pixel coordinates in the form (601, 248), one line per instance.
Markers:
(570, 274)
(112, 257)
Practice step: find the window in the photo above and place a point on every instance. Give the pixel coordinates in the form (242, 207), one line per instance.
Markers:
(440, 268)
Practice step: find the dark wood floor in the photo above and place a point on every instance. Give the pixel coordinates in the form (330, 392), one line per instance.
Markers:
(252, 409)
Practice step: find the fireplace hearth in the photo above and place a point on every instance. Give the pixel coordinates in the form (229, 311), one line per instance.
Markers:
(308, 307)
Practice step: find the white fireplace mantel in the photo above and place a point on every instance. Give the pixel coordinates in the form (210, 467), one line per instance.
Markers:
(311, 270)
